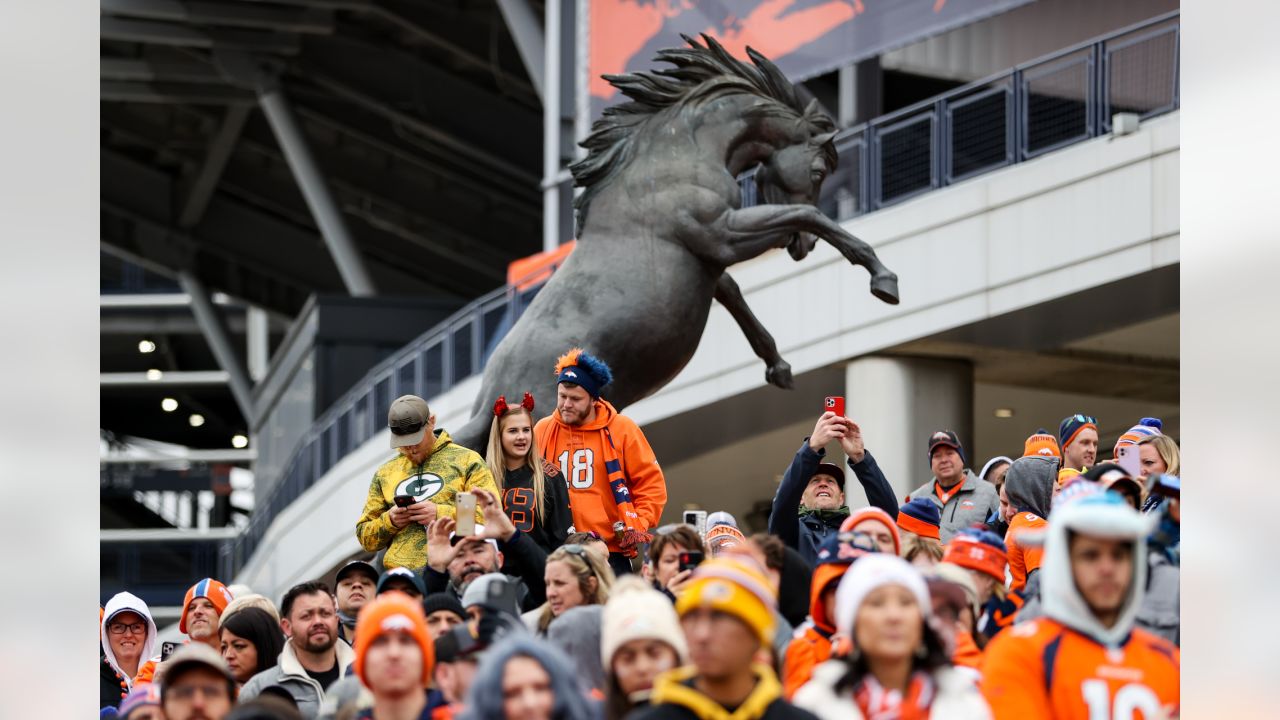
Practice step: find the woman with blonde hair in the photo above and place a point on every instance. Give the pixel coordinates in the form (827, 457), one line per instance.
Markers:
(575, 576)
(534, 494)
(1158, 455)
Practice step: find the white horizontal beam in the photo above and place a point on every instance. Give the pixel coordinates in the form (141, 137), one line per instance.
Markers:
(136, 455)
(166, 378)
(156, 300)
(167, 535)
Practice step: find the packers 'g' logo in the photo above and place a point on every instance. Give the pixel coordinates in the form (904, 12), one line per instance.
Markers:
(421, 487)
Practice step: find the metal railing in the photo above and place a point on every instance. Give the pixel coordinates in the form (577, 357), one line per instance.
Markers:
(1035, 108)
(429, 366)
(1019, 114)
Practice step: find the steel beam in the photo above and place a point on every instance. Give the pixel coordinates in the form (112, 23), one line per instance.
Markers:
(135, 455)
(304, 20)
(258, 342)
(215, 161)
(166, 33)
(527, 33)
(346, 255)
(551, 129)
(159, 300)
(173, 71)
(148, 92)
(168, 378)
(215, 333)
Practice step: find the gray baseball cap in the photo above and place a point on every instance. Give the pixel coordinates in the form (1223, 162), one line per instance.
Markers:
(407, 419)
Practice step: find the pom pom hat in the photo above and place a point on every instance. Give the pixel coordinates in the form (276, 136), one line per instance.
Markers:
(393, 611)
(583, 369)
(1146, 427)
(979, 550)
(636, 611)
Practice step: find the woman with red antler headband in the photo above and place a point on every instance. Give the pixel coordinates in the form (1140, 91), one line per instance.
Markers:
(534, 494)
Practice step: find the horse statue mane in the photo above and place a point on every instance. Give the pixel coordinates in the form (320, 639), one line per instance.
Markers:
(660, 177)
(700, 73)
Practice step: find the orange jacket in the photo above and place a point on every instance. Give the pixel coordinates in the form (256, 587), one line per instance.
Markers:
(1043, 669)
(967, 653)
(811, 647)
(1023, 558)
(581, 450)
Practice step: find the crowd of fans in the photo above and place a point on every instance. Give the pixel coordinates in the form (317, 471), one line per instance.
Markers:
(1044, 586)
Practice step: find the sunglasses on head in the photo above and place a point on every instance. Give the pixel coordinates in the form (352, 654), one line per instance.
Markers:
(1085, 419)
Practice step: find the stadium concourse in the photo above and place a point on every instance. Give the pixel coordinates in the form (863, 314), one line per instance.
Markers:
(321, 219)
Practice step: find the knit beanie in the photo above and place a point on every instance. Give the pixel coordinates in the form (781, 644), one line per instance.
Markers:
(389, 612)
(735, 585)
(583, 369)
(215, 591)
(140, 696)
(723, 537)
(1041, 443)
(636, 611)
(868, 574)
(921, 517)
(960, 576)
(1071, 427)
(979, 550)
(1146, 427)
(880, 516)
(436, 602)
(720, 517)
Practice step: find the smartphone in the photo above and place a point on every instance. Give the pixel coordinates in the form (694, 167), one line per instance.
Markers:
(1127, 457)
(466, 514)
(167, 649)
(1166, 485)
(835, 404)
(690, 560)
(501, 597)
(403, 501)
(698, 519)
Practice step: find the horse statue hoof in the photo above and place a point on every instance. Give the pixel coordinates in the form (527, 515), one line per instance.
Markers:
(885, 287)
(779, 375)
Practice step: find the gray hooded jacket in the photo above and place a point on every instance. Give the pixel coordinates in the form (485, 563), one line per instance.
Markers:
(1029, 484)
(974, 503)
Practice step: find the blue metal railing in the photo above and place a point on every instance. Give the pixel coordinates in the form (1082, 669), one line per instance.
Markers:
(1022, 113)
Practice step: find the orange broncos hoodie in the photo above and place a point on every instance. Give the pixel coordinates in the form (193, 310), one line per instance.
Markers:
(581, 452)
(811, 646)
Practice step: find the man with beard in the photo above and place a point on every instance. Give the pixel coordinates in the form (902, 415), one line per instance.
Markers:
(313, 658)
(354, 586)
(497, 546)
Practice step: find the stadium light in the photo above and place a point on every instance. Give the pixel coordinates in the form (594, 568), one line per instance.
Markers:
(146, 346)
(154, 374)
(1004, 412)
(168, 404)
(239, 441)
(196, 419)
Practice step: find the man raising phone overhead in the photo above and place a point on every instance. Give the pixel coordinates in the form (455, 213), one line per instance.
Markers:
(419, 485)
(809, 505)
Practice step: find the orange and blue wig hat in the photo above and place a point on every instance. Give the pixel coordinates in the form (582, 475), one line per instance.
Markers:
(583, 369)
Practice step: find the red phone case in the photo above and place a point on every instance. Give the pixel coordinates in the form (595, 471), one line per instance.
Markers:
(835, 404)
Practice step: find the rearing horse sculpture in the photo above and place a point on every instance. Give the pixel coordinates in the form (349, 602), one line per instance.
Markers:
(660, 220)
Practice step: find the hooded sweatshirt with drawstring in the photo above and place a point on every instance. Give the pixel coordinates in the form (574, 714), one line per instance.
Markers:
(114, 682)
(1029, 487)
(582, 453)
(1068, 665)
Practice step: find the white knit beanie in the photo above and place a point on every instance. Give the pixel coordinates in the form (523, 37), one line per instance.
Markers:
(636, 611)
(873, 571)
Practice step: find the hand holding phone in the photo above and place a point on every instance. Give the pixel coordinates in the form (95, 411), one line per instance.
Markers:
(466, 506)
(1128, 458)
(403, 501)
(834, 404)
(696, 518)
(691, 559)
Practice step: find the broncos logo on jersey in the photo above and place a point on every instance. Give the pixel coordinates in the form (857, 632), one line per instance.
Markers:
(421, 487)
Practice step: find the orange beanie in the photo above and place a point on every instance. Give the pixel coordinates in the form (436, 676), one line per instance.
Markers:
(880, 516)
(216, 592)
(390, 612)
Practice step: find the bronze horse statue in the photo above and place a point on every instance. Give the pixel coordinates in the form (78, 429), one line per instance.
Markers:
(661, 218)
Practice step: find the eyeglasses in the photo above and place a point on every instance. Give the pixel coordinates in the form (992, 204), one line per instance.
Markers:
(186, 692)
(405, 428)
(120, 628)
(575, 549)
